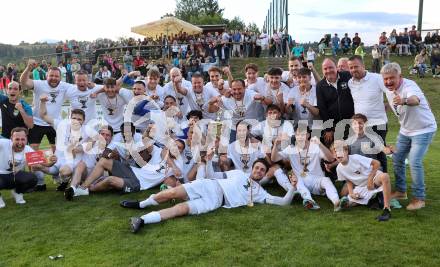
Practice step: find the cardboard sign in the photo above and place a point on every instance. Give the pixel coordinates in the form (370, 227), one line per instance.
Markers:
(37, 157)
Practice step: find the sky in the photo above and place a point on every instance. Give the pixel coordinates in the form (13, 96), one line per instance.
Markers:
(309, 20)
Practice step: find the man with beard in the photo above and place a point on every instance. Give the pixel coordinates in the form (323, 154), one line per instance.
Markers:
(205, 195)
(56, 90)
(367, 91)
(12, 174)
(15, 112)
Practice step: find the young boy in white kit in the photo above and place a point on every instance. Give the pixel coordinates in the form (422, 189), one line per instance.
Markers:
(363, 178)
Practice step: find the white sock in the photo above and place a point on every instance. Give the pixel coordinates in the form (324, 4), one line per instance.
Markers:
(152, 217)
(148, 202)
(282, 179)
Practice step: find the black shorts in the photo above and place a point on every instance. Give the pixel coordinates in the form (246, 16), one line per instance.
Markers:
(123, 171)
(23, 182)
(37, 132)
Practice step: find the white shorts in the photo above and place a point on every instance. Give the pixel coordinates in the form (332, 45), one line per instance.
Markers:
(204, 196)
(364, 193)
(314, 184)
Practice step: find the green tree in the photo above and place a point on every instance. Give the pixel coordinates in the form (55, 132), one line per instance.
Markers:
(252, 27)
(199, 12)
(236, 24)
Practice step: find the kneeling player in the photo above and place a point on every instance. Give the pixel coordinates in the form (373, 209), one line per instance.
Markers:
(364, 179)
(207, 195)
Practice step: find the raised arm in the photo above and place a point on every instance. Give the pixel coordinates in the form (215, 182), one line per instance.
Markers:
(26, 113)
(24, 78)
(43, 110)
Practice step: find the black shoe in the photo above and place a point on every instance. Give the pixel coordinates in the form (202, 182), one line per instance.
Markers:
(40, 188)
(62, 187)
(136, 224)
(68, 193)
(130, 204)
(385, 216)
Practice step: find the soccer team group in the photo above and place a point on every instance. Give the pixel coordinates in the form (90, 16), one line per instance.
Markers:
(217, 144)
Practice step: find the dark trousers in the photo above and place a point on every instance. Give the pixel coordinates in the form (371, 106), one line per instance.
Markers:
(23, 182)
(381, 157)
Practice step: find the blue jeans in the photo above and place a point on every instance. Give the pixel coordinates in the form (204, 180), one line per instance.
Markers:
(416, 147)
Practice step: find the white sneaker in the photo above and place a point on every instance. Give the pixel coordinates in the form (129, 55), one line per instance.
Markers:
(2, 203)
(79, 191)
(18, 197)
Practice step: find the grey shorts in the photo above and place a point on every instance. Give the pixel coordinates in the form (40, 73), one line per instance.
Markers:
(123, 171)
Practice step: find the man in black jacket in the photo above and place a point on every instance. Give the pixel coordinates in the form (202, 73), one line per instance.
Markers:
(334, 97)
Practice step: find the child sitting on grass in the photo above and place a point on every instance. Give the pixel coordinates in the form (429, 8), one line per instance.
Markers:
(364, 179)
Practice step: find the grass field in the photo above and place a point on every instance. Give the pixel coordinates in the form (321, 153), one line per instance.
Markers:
(94, 231)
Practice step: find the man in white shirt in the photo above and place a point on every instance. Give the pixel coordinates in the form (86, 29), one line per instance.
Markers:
(113, 102)
(70, 138)
(417, 129)
(290, 77)
(198, 96)
(363, 179)
(79, 95)
(305, 158)
(56, 90)
(367, 91)
(216, 81)
(12, 174)
(229, 189)
(242, 105)
(173, 88)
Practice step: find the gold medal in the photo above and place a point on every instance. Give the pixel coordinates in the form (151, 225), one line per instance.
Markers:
(303, 174)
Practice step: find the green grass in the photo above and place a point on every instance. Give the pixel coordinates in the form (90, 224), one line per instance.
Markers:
(93, 231)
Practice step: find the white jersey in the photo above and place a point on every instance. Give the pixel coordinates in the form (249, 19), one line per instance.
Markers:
(300, 157)
(237, 190)
(82, 100)
(244, 157)
(210, 85)
(356, 170)
(200, 101)
(182, 101)
(285, 77)
(302, 113)
(368, 97)
(56, 99)
(269, 133)
(113, 108)
(122, 147)
(259, 86)
(272, 93)
(66, 137)
(7, 162)
(414, 120)
(152, 175)
(159, 91)
(237, 110)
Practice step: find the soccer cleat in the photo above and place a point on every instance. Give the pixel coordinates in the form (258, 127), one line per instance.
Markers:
(69, 193)
(130, 204)
(310, 204)
(2, 202)
(385, 216)
(18, 197)
(344, 203)
(79, 191)
(136, 223)
(62, 187)
(40, 188)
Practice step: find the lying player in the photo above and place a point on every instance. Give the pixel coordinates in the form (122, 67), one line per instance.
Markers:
(206, 195)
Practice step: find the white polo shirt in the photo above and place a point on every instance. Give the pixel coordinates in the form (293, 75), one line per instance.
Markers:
(414, 120)
(368, 97)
